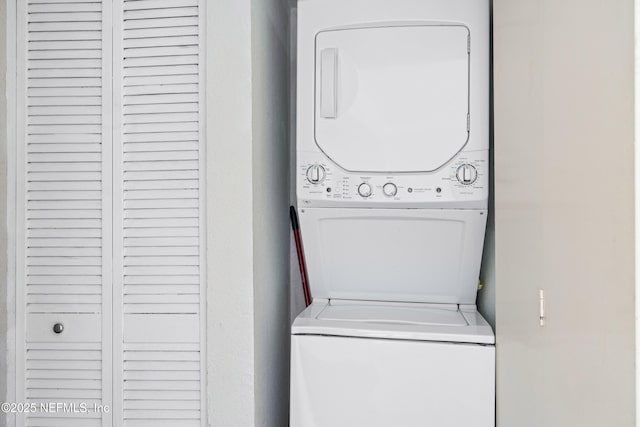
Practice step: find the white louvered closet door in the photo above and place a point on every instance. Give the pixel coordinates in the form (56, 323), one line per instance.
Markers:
(63, 210)
(159, 213)
(110, 212)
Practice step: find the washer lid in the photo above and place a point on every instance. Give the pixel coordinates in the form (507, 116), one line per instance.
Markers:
(392, 98)
(399, 314)
(405, 321)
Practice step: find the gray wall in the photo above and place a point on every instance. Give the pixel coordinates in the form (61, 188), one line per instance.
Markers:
(564, 188)
(270, 83)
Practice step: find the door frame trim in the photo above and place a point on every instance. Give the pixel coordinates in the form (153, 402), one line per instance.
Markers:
(11, 156)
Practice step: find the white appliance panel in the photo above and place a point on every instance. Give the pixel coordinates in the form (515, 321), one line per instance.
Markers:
(394, 320)
(345, 382)
(407, 314)
(443, 188)
(427, 255)
(392, 98)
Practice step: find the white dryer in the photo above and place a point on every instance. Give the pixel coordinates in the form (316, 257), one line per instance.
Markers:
(392, 187)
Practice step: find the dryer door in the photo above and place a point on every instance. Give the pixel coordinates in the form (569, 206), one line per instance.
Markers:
(392, 98)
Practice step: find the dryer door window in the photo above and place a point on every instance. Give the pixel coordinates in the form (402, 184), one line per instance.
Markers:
(394, 98)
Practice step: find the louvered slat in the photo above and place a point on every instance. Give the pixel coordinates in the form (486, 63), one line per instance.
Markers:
(67, 107)
(161, 215)
(62, 373)
(162, 384)
(63, 208)
(66, 130)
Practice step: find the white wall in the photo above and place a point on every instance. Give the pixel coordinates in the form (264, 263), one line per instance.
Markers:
(230, 291)
(247, 202)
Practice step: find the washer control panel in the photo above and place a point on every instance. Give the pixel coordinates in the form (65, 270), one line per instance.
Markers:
(463, 179)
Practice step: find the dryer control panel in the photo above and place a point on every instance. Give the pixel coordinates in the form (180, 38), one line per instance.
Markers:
(462, 183)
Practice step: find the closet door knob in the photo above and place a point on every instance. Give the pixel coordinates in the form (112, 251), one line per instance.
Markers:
(58, 328)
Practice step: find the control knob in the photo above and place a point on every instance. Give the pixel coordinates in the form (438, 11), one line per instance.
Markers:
(390, 189)
(364, 190)
(316, 174)
(466, 174)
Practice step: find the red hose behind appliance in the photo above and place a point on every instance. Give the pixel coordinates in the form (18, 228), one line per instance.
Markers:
(301, 264)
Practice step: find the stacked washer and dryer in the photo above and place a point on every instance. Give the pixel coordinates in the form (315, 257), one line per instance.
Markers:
(392, 186)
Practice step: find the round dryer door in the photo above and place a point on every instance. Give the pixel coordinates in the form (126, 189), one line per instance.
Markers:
(392, 98)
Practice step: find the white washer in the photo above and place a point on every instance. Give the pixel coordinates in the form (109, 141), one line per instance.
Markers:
(380, 365)
(392, 187)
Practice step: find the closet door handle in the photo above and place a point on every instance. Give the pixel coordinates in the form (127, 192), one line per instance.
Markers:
(328, 83)
(58, 328)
